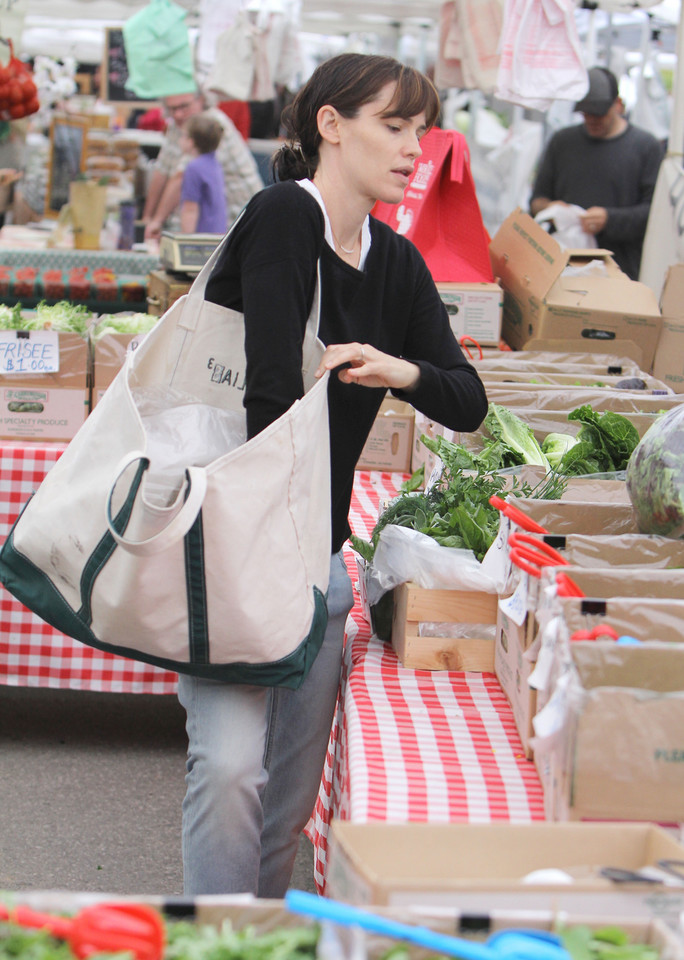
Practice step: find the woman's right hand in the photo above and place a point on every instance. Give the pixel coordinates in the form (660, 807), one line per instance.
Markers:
(365, 365)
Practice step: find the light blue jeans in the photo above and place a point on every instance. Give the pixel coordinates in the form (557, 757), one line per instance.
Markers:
(255, 758)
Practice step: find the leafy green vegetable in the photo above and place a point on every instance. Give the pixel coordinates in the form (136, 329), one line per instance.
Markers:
(185, 941)
(512, 442)
(456, 511)
(10, 317)
(126, 323)
(64, 317)
(555, 446)
(608, 943)
(605, 442)
(189, 941)
(655, 476)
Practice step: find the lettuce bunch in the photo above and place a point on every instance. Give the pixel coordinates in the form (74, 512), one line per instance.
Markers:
(655, 476)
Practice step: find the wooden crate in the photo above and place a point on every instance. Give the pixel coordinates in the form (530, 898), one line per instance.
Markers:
(163, 289)
(414, 605)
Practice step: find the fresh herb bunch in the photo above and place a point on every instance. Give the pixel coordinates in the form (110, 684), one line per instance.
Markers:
(456, 511)
(608, 943)
(190, 941)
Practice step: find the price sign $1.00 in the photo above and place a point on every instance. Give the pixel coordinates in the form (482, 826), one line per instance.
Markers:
(36, 353)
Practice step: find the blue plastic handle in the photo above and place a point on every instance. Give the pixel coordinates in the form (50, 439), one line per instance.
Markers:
(524, 945)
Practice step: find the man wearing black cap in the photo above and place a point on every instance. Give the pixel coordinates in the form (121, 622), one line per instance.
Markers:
(606, 166)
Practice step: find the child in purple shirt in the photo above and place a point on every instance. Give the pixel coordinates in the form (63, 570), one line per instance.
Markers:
(203, 197)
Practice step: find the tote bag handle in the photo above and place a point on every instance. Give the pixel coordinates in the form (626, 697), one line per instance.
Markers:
(195, 489)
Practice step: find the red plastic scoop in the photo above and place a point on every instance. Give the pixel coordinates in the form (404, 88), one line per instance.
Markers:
(103, 927)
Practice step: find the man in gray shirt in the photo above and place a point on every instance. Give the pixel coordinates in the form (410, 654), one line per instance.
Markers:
(608, 167)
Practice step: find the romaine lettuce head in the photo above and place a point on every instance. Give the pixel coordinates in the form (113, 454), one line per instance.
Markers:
(655, 476)
(512, 438)
(555, 446)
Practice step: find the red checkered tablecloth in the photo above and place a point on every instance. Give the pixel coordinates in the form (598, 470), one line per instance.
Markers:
(416, 745)
(33, 654)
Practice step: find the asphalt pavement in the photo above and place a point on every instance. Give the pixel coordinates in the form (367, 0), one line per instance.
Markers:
(91, 786)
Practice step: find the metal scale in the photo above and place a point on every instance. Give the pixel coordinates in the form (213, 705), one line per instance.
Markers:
(187, 252)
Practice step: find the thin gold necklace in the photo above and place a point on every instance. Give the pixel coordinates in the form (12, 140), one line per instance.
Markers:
(345, 249)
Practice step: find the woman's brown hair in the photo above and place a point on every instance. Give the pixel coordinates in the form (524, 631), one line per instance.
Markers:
(347, 82)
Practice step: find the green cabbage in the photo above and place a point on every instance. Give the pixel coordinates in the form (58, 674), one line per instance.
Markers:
(655, 476)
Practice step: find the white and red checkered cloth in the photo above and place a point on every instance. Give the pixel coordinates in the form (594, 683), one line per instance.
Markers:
(416, 745)
(33, 654)
(406, 745)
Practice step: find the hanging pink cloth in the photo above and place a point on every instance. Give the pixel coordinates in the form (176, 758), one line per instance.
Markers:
(541, 57)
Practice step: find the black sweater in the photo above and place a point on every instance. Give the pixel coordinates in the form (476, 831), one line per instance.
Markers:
(268, 272)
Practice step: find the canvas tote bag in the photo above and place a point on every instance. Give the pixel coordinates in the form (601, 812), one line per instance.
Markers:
(228, 581)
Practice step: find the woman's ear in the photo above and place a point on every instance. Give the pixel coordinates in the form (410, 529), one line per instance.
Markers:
(328, 123)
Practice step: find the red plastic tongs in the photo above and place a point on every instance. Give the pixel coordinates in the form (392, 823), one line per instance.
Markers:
(103, 927)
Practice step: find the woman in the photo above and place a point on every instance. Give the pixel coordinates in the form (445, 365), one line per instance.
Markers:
(255, 754)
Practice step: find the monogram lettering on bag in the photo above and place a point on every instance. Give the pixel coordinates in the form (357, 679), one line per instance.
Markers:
(222, 374)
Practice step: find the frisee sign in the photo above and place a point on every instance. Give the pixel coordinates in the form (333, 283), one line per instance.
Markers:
(36, 353)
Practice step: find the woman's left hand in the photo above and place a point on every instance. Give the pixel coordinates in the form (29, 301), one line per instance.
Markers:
(369, 367)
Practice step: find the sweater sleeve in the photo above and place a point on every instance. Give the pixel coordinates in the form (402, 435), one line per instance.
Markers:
(449, 390)
(629, 222)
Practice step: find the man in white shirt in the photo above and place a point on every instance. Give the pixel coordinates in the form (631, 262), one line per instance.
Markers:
(241, 174)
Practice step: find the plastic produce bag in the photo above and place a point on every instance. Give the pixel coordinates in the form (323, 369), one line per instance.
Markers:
(182, 432)
(567, 226)
(655, 476)
(404, 555)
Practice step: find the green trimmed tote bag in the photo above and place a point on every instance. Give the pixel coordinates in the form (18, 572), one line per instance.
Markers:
(227, 581)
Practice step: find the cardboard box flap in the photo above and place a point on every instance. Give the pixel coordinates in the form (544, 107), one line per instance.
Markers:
(629, 549)
(611, 293)
(672, 296)
(657, 667)
(522, 252)
(606, 582)
(626, 348)
(646, 618)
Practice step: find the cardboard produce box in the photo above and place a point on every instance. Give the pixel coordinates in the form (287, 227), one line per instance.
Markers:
(668, 363)
(601, 364)
(480, 867)
(109, 353)
(616, 748)
(44, 384)
(644, 384)
(390, 442)
(597, 348)
(517, 645)
(542, 300)
(474, 310)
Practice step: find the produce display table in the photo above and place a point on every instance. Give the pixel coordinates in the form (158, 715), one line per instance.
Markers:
(406, 745)
(416, 745)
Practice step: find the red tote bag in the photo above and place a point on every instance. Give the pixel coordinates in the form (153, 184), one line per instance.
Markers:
(440, 212)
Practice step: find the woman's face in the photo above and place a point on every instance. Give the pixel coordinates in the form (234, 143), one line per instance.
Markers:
(378, 152)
